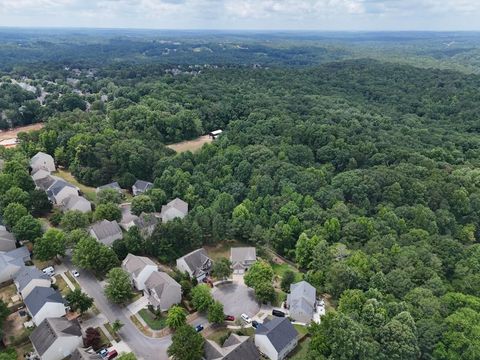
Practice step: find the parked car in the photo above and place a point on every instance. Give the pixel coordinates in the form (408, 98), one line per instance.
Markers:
(278, 313)
(75, 273)
(50, 271)
(112, 354)
(246, 318)
(229, 318)
(103, 352)
(255, 323)
(198, 328)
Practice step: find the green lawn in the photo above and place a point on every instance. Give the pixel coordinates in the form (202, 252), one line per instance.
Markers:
(218, 335)
(104, 339)
(300, 353)
(222, 250)
(72, 280)
(280, 269)
(88, 191)
(302, 330)
(153, 322)
(112, 333)
(62, 285)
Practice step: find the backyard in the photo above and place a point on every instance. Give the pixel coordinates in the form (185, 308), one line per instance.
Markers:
(300, 352)
(88, 191)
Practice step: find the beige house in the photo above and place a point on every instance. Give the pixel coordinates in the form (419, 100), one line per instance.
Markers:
(242, 258)
(42, 161)
(162, 291)
(29, 278)
(139, 268)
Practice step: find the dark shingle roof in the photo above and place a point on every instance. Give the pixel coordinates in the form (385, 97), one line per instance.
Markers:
(279, 331)
(28, 274)
(39, 297)
(50, 329)
(105, 229)
(197, 261)
(234, 348)
(143, 185)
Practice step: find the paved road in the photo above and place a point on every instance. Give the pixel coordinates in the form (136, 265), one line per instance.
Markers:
(144, 347)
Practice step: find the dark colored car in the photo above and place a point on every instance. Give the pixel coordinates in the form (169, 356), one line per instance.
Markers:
(229, 318)
(198, 328)
(278, 313)
(255, 323)
(112, 354)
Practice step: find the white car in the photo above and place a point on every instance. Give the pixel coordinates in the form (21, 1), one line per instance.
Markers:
(75, 273)
(50, 271)
(246, 318)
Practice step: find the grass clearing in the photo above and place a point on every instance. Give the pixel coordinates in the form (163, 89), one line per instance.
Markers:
(280, 269)
(111, 332)
(62, 285)
(72, 280)
(300, 352)
(222, 250)
(302, 330)
(140, 327)
(88, 191)
(190, 145)
(153, 322)
(219, 335)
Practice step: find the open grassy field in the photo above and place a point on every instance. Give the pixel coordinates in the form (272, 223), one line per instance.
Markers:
(190, 145)
(279, 270)
(88, 191)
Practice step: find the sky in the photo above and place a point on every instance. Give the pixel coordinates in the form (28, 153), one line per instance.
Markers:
(334, 15)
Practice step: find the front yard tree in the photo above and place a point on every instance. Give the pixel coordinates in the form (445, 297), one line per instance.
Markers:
(187, 344)
(74, 219)
(201, 297)
(221, 269)
(91, 255)
(92, 338)
(13, 213)
(158, 198)
(117, 325)
(51, 244)
(107, 196)
(142, 203)
(265, 292)
(27, 228)
(259, 272)
(119, 287)
(176, 317)
(79, 301)
(215, 313)
(108, 211)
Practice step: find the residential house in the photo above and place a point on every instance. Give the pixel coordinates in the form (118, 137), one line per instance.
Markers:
(139, 269)
(301, 301)
(242, 258)
(61, 190)
(43, 302)
(197, 264)
(44, 183)
(42, 161)
(215, 134)
(56, 338)
(276, 338)
(128, 219)
(84, 354)
(40, 174)
(114, 186)
(236, 347)
(106, 231)
(11, 262)
(162, 291)
(176, 208)
(141, 186)
(146, 224)
(7, 240)
(76, 202)
(29, 278)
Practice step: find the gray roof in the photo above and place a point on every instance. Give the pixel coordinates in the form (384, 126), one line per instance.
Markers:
(159, 281)
(105, 229)
(50, 329)
(135, 264)
(45, 182)
(197, 261)
(279, 331)
(143, 185)
(40, 159)
(16, 257)
(145, 221)
(58, 186)
(82, 354)
(39, 297)
(303, 290)
(75, 202)
(175, 208)
(7, 241)
(234, 348)
(114, 186)
(241, 254)
(27, 274)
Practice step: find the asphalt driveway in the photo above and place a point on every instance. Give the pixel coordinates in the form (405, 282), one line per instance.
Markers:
(236, 299)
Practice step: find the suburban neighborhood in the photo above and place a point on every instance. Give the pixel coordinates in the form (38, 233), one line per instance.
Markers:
(68, 312)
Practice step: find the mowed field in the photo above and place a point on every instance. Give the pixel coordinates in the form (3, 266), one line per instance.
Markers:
(10, 134)
(191, 145)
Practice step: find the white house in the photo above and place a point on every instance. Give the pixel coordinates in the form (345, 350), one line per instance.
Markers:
(276, 338)
(141, 186)
(177, 208)
(163, 292)
(139, 268)
(44, 303)
(42, 161)
(76, 202)
(197, 264)
(242, 258)
(12, 262)
(106, 231)
(29, 278)
(56, 338)
(301, 301)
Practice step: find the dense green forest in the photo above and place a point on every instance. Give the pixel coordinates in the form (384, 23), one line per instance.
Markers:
(364, 172)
